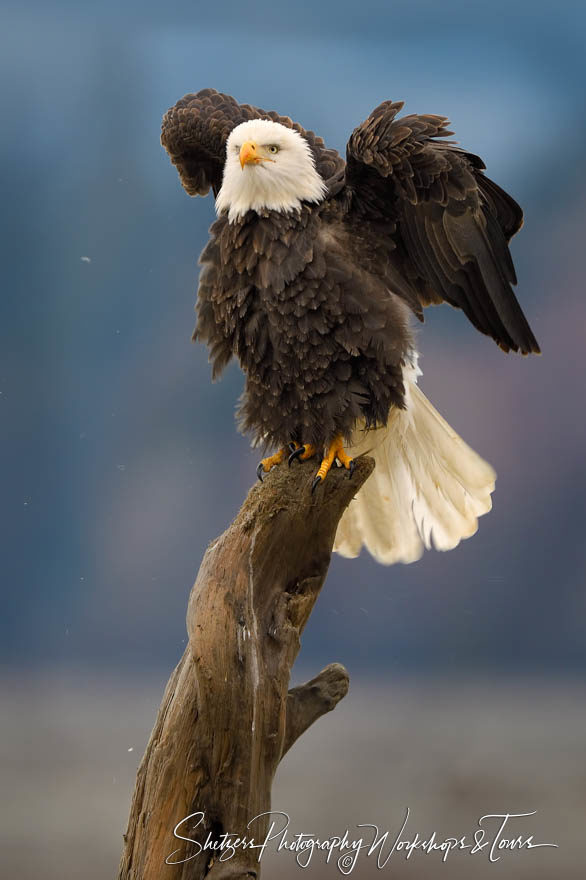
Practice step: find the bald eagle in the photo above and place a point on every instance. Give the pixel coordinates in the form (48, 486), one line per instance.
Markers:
(312, 271)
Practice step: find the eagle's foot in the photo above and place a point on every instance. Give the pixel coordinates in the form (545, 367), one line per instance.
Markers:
(335, 451)
(266, 464)
(302, 452)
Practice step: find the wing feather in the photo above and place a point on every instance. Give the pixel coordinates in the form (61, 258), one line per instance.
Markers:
(194, 133)
(450, 223)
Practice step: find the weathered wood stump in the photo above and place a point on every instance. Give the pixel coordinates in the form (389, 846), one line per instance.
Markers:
(227, 716)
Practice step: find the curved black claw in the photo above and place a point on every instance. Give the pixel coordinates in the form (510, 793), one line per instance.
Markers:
(316, 482)
(292, 446)
(351, 468)
(297, 453)
(260, 471)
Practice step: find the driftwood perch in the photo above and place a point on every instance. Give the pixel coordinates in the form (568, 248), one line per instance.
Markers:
(227, 716)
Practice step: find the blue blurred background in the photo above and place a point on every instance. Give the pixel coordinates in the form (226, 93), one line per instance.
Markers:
(121, 460)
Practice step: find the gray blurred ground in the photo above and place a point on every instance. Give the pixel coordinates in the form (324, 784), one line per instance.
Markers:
(449, 750)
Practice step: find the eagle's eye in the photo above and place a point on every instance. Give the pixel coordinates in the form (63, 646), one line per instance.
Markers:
(273, 148)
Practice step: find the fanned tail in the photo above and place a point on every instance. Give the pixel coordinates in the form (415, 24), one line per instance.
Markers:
(428, 488)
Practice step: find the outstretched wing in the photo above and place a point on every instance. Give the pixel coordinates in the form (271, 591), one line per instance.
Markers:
(196, 129)
(450, 224)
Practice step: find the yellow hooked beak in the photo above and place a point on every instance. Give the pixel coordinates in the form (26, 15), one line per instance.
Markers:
(249, 154)
(252, 154)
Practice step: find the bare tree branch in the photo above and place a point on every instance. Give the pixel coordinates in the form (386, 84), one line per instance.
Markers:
(227, 716)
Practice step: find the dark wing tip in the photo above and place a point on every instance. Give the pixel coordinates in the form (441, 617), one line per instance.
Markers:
(501, 205)
(531, 348)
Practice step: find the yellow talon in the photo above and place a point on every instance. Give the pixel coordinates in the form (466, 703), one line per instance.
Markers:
(277, 458)
(308, 452)
(266, 464)
(335, 450)
(343, 458)
(302, 453)
(327, 462)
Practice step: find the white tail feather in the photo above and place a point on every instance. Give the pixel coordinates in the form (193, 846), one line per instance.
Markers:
(428, 487)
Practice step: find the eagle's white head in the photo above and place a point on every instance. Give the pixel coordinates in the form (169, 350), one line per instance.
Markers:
(268, 167)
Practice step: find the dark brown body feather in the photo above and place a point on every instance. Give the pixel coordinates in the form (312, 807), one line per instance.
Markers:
(320, 338)
(315, 303)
